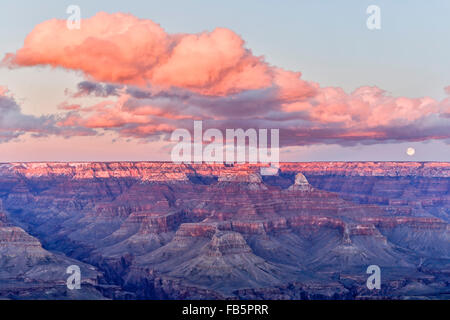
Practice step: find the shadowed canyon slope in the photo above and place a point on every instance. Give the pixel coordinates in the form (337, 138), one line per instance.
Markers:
(159, 230)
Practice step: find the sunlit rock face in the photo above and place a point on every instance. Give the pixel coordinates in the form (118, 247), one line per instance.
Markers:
(300, 183)
(177, 231)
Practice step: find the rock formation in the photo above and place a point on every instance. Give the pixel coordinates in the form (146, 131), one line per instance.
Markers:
(300, 183)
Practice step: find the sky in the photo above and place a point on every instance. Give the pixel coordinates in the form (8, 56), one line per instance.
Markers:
(137, 70)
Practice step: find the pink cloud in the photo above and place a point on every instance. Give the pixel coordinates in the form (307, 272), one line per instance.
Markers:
(366, 107)
(153, 81)
(68, 107)
(120, 48)
(3, 91)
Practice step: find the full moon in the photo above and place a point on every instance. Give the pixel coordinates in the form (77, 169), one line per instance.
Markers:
(410, 151)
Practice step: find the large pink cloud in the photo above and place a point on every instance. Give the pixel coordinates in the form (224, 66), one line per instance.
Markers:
(120, 48)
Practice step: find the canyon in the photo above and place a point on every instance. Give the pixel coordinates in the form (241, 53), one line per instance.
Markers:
(160, 230)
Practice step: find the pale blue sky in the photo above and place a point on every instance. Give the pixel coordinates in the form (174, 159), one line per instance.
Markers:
(325, 40)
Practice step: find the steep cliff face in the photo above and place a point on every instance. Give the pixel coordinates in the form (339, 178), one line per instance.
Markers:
(163, 230)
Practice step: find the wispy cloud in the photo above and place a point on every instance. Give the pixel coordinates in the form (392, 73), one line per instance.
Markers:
(14, 123)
